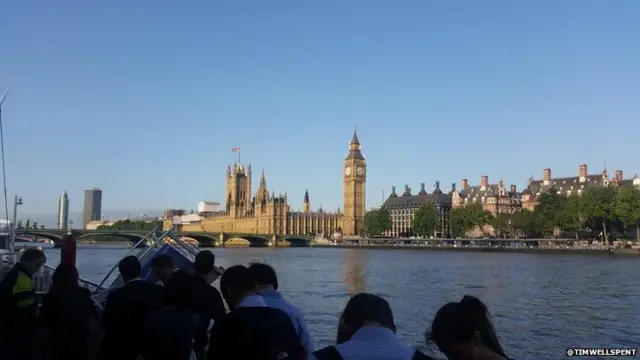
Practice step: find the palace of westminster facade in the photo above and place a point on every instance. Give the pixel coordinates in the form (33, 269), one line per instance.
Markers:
(268, 213)
(495, 198)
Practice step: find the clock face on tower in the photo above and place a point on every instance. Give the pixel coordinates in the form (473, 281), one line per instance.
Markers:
(360, 171)
(347, 171)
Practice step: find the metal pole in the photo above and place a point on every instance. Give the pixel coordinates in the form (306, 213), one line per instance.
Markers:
(4, 173)
(16, 202)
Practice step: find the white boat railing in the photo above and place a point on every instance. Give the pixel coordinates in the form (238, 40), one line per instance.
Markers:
(150, 234)
(155, 240)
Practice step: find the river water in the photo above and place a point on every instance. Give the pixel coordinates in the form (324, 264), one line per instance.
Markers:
(541, 303)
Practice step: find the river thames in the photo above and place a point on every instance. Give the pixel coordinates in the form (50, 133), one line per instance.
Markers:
(541, 303)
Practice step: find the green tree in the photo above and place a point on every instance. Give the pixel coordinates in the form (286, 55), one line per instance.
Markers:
(598, 204)
(627, 208)
(376, 222)
(552, 208)
(134, 225)
(576, 214)
(527, 222)
(27, 224)
(501, 223)
(42, 227)
(477, 216)
(425, 220)
(35, 226)
(459, 223)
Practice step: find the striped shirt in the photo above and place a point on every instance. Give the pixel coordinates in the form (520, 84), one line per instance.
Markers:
(275, 300)
(373, 343)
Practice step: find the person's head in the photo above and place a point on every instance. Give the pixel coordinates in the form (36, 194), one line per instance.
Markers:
(129, 268)
(33, 259)
(162, 266)
(236, 283)
(464, 331)
(264, 276)
(65, 277)
(204, 265)
(179, 290)
(364, 310)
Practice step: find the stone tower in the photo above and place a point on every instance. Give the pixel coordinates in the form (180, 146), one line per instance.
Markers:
(354, 181)
(238, 192)
(306, 205)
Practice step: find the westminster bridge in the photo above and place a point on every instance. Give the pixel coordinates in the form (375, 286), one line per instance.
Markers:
(204, 238)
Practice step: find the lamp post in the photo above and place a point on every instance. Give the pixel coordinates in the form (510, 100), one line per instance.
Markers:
(17, 200)
(70, 226)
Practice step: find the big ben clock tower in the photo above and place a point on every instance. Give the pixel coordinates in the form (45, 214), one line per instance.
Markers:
(354, 180)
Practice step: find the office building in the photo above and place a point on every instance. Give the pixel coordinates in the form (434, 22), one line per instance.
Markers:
(92, 206)
(63, 211)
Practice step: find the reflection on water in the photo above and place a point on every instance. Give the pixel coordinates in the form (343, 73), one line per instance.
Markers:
(541, 304)
(353, 271)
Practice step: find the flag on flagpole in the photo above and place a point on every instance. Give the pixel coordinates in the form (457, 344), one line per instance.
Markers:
(235, 149)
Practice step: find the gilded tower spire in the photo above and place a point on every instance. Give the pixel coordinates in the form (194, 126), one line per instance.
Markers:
(306, 205)
(355, 147)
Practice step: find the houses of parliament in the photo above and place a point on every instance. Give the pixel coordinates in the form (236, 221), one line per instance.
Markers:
(268, 213)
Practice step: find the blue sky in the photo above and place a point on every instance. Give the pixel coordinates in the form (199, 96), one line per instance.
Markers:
(146, 99)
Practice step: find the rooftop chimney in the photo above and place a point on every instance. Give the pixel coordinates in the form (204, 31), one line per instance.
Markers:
(484, 181)
(422, 190)
(582, 170)
(393, 191)
(513, 188)
(619, 176)
(407, 191)
(465, 184)
(453, 187)
(546, 174)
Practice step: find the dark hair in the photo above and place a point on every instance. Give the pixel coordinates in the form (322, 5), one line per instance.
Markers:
(32, 254)
(130, 267)
(162, 261)
(179, 289)
(204, 262)
(65, 277)
(457, 322)
(237, 278)
(363, 308)
(264, 274)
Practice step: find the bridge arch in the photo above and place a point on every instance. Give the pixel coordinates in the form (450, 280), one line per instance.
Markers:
(203, 240)
(54, 237)
(298, 241)
(255, 241)
(133, 238)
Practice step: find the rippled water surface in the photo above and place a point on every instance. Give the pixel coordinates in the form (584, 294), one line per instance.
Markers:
(541, 304)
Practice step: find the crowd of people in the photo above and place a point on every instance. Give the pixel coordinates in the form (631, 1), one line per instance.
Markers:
(182, 316)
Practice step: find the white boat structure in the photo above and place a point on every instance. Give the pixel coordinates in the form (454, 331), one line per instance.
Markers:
(157, 242)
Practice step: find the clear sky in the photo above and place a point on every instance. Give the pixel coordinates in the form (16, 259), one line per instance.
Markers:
(146, 99)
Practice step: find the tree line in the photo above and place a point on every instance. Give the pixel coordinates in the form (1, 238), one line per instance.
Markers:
(603, 209)
(134, 225)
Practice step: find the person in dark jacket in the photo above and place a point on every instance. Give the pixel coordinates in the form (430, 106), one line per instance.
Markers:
(18, 306)
(67, 314)
(252, 330)
(207, 301)
(170, 331)
(126, 312)
(162, 266)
